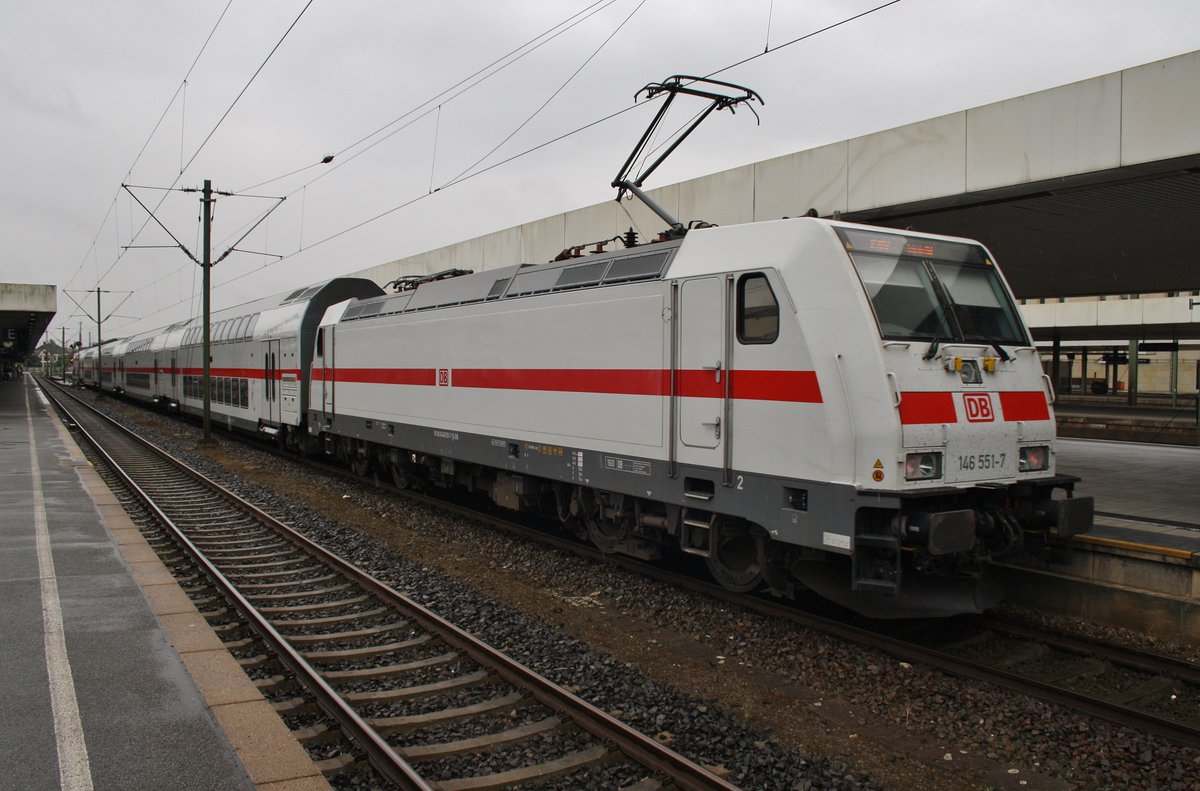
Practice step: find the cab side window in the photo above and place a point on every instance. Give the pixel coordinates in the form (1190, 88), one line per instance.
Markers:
(757, 310)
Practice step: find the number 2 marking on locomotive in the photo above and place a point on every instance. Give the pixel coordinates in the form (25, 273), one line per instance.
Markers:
(741, 480)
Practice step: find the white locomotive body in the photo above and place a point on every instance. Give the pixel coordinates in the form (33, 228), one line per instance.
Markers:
(854, 409)
(858, 409)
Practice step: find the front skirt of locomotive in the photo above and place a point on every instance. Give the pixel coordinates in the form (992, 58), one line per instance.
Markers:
(931, 554)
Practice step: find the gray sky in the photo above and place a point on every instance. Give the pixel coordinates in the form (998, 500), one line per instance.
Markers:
(82, 86)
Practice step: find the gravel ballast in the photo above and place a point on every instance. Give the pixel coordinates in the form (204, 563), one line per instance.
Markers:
(764, 703)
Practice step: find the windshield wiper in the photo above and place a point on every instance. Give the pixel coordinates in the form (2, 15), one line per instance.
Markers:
(932, 351)
(1005, 356)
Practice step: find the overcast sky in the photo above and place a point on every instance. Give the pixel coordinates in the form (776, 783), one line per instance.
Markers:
(93, 95)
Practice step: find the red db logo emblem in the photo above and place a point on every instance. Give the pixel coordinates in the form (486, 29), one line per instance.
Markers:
(979, 408)
(443, 377)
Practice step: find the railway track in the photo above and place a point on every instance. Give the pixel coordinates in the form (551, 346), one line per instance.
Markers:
(428, 705)
(1120, 684)
(1146, 692)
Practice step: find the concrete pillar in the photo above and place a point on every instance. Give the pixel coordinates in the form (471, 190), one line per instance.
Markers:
(1114, 369)
(1133, 371)
(1083, 376)
(1175, 375)
(1056, 362)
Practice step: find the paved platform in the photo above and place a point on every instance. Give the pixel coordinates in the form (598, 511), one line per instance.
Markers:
(1153, 420)
(1136, 481)
(1139, 567)
(111, 679)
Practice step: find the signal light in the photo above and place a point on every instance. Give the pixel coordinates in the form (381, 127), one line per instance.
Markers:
(1033, 458)
(922, 466)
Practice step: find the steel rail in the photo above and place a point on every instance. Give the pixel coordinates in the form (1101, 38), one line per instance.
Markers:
(1126, 656)
(1175, 730)
(379, 752)
(643, 749)
(908, 652)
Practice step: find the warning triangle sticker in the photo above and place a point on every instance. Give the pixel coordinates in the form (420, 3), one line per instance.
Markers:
(878, 464)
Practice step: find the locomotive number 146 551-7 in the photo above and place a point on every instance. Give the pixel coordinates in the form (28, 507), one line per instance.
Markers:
(982, 461)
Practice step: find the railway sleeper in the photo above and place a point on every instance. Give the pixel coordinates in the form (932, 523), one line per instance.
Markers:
(399, 669)
(417, 691)
(366, 651)
(427, 752)
(412, 722)
(349, 634)
(320, 733)
(571, 762)
(337, 764)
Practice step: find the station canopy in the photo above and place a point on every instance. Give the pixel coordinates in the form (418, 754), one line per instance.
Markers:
(25, 312)
(1131, 230)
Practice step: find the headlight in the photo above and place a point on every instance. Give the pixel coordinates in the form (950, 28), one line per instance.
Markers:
(922, 466)
(1034, 458)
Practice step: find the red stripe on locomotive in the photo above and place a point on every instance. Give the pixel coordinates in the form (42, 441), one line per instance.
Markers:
(1024, 406)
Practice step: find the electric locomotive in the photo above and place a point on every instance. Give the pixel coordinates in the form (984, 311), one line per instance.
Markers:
(799, 402)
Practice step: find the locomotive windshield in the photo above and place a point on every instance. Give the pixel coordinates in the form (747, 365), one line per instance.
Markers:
(934, 290)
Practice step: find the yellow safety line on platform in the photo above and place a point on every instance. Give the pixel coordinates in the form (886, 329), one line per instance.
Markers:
(1116, 543)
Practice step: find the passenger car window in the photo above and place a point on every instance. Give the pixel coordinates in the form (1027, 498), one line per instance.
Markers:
(757, 310)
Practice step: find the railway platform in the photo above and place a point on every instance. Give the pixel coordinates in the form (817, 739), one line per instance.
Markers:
(111, 678)
(1158, 420)
(1140, 565)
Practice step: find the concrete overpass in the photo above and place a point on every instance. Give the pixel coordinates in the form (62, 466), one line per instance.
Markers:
(25, 312)
(1085, 189)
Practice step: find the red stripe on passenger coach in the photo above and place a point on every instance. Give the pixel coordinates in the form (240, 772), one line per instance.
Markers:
(577, 380)
(241, 373)
(919, 408)
(1024, 406)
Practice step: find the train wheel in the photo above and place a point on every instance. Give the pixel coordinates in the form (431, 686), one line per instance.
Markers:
(733, 558)
(398, 476)
(361, 465)
(607, 533)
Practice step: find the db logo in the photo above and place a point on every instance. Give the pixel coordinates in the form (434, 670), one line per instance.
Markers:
(979, 408)
(443, 377)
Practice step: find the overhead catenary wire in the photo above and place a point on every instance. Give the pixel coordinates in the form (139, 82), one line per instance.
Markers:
(532, 45)
(806, 36)
(250, 82)
(447, 95)
(464, 177)
(182, 88)
(213, 131)
(154, 131)
(559, 90)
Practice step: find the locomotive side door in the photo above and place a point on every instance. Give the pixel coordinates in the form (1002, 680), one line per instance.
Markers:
(702, 378)
(270, 388)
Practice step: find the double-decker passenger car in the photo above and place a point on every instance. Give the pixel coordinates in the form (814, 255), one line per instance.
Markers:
(258, 351)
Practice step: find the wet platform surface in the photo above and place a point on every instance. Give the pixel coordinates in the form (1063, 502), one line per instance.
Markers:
(1145, 493)
(90, 682)
(111, 679)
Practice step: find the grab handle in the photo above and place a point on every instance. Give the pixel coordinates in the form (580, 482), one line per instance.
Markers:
(895, 390)
(1049, 388)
